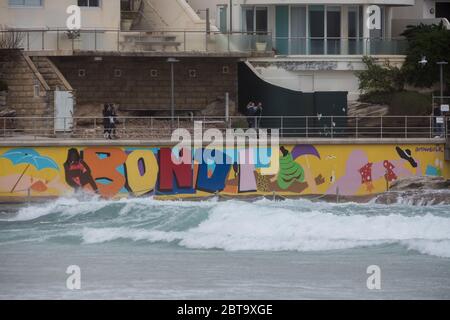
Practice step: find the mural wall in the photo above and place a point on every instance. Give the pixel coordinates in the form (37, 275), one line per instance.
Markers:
(114, 172)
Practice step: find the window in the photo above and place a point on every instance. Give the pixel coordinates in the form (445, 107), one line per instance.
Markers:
(225, 69)
(192, 73)
(254, 19)
(25, 3)
(298, 30)
(81, 73)
(317, 28)
(89, 3)
(222, 17)
(353, 22)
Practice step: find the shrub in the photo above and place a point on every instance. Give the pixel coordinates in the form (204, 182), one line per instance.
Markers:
(10, 39)
(431, 41)
(376, 97)
(410, 103)
(377, 78)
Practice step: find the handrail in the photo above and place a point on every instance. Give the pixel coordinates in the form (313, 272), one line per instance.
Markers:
(330, 127)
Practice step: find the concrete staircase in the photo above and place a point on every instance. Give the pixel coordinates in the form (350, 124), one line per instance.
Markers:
(29, 94)
(141, 15)
(141, 23)
(51, 74)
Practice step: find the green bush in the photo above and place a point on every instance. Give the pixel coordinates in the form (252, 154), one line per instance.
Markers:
(376, 97)
(410, 103)
(378, 78)
(3, 86)
(431, 41)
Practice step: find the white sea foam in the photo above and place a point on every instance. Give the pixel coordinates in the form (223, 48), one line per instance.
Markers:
(263, 225)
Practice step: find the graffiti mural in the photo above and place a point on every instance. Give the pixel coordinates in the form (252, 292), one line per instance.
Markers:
(114, 172)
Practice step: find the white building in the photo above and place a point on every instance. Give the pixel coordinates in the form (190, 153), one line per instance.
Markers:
(318, 44)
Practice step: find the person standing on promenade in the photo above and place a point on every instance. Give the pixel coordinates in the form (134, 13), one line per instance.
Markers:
(251, 112)
(259, 110)
(106, 121)
(113, 122)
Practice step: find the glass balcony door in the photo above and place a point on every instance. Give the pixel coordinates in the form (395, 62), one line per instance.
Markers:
(333, 27)
(223, 18)
(254, 19)
(298, 43)
(317, 28)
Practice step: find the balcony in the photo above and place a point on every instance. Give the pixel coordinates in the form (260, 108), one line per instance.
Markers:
(196, 42)
(339, 46)
(141, 42)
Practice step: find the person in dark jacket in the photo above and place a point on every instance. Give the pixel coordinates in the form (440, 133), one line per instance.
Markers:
(251, 114)
(112, 121)
(106, 121)
(259, 110)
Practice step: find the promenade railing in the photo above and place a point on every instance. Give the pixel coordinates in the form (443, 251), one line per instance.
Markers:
(328, 127)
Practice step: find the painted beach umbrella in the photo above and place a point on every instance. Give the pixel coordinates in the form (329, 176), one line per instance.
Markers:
(29, 157)
(304, 149)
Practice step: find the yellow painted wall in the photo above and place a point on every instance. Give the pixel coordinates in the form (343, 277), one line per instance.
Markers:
(112, 172)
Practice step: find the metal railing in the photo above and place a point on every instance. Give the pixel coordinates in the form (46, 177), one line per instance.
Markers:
(339, 46)
(173, 40)
(166, 40)
(329, 127)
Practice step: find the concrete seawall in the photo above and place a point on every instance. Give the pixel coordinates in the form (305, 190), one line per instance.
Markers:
(42, 169)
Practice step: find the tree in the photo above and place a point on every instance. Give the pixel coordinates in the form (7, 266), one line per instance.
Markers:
(10, 39)
(379, 78)
(431, 41)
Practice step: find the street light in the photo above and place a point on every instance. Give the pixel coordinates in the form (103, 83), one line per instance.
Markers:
(441, 71)
(172, 61)
(441, 64)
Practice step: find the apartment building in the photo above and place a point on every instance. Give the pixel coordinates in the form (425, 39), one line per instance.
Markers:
(119, 55)
(319, 44)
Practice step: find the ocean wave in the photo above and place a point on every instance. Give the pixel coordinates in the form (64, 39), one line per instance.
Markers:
(291, 225)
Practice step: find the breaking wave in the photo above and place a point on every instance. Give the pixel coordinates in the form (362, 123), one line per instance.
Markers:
(294, 225)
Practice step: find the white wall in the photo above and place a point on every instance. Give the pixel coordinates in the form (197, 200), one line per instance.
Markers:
(421, 10)
(171, 14)
(53, 15)
(316, 73)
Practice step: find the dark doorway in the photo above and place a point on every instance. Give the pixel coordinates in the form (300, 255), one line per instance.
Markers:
(443, 10)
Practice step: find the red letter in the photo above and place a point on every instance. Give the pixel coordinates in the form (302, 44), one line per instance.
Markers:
(167, 170)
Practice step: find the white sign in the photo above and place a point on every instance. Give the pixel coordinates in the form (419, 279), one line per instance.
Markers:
(440, 120)
(445, 108)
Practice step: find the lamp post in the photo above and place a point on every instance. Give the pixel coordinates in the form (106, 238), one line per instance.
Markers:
(172, 61)
(441, 71)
